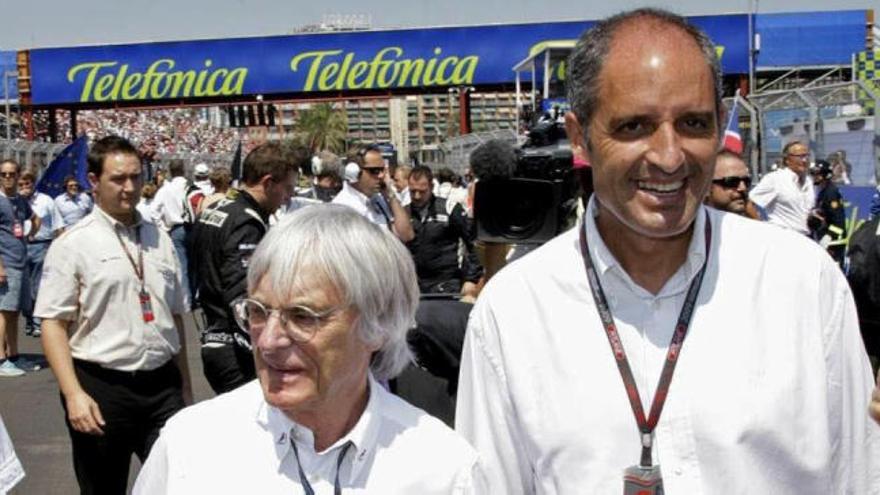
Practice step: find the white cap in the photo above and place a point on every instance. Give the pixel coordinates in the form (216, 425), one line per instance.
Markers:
(201, 169)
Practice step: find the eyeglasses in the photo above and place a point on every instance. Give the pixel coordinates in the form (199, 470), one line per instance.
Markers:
(374, 171)
(300, 323)
(733, 181)
(8, 175)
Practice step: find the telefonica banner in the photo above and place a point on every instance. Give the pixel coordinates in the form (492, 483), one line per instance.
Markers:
(318, 63)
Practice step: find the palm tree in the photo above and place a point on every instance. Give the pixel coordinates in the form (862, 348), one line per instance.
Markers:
(323, 127)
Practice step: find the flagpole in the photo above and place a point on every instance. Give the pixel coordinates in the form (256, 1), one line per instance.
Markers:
(753, 11)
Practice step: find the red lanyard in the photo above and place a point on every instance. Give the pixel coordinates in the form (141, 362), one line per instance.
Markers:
(139, 265)
(646, 425)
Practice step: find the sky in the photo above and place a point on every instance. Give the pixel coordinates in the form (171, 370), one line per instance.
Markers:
(45, 23)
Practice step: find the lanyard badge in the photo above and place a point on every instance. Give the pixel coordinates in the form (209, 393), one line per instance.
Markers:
(146, 305)
(143, 296)
(644, 478)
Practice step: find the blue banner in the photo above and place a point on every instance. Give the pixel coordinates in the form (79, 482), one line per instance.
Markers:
(318, 63)
(810, 38)
(7, 64)
(71, 161)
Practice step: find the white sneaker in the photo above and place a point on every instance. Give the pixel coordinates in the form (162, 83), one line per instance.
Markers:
(8, 368)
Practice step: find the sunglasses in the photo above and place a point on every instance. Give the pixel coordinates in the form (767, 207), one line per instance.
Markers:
(7, 175)
(733, 181)
(374, 171)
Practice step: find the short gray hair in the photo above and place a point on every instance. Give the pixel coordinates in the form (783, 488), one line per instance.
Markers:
(373, 272)
(588, 58)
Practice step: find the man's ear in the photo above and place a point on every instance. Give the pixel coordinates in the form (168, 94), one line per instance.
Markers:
(576, 137)
(93, 180)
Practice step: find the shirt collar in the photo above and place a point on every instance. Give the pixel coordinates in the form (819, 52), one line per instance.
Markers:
(354, 192)
(363, 435)
(605, 261)
(138, 219)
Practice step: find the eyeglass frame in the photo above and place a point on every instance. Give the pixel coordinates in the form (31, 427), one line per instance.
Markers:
(305, 335)
(722, 182)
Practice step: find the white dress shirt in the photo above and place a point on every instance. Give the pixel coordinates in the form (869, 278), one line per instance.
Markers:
(351, 197)
(11, 471)
(769, 396)
(787, 202)
(237, 443)
(167, 205)
(50, 218)
(89, 281)
(73, 209)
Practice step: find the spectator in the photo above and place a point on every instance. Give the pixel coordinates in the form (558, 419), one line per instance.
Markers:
(144, 206)
(51, 224)
(730, 185)
(201, 173)
(401, 183)
(787, 194)
(168, 207)
(73, 204)
(220, 180)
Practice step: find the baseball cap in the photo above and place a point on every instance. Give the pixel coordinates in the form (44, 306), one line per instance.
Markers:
(201, 169)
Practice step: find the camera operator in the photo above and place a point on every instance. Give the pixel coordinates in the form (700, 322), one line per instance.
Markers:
(437, 235)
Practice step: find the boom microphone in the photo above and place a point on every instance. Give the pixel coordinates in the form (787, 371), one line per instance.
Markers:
(494, 159)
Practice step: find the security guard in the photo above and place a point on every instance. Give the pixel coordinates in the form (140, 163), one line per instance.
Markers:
(827, 220)
(223, 240)
(436, 242)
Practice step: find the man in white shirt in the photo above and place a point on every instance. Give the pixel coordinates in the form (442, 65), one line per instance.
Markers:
(370, 191)
(200, 179)
(51, 224)
(330, 297)
(772, 384)
(787, 194)
(168, 209)
(111, 300)
(73, 204)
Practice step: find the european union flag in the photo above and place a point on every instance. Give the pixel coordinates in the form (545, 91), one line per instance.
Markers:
(71, 161)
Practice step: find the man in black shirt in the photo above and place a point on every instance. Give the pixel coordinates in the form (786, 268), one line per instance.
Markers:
(223, 240)
(827, 220)
(435, 247)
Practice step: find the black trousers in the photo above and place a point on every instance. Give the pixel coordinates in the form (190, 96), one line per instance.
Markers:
(135, 406)
(227, 366)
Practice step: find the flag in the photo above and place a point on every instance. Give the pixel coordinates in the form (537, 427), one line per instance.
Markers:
(732, 137)
(236, 163)
(71, 161)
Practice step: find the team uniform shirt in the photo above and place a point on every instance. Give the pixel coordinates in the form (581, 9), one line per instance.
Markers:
(206, 187)
(73, 209)
(787, 202)
(351, 197)
(168, 203)
(51, 220)
(769, 396)
(396, 449)
(11, 471)
(89, 280)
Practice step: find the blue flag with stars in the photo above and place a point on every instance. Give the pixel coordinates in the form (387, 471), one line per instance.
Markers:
(71, 161)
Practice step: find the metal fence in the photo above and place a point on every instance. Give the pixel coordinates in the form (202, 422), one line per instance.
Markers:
(36, 156)
(839, 121)
(458, 149)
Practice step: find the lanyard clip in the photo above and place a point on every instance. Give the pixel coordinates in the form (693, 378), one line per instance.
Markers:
(647, 440)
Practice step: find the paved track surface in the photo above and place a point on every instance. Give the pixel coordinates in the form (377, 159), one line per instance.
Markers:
(31, 408)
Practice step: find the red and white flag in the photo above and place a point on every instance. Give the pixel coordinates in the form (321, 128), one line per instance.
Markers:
(732, 137)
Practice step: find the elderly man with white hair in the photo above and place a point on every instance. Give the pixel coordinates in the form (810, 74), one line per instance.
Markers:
(330, 299)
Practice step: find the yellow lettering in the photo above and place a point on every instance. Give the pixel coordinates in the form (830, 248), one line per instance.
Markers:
(212, 89)
(234, 84)
(152, 80)
(441, 70)
(356, 72)
(182, 80)
(414, 67)
(315, 65)
(130, 82)
(464, 70)
(123, 71)
(719, 51)
(329, 71)
(93, 68)
(382, 72)
(104, 83)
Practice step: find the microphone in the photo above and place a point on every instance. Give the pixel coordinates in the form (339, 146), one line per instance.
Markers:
(493, 159)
